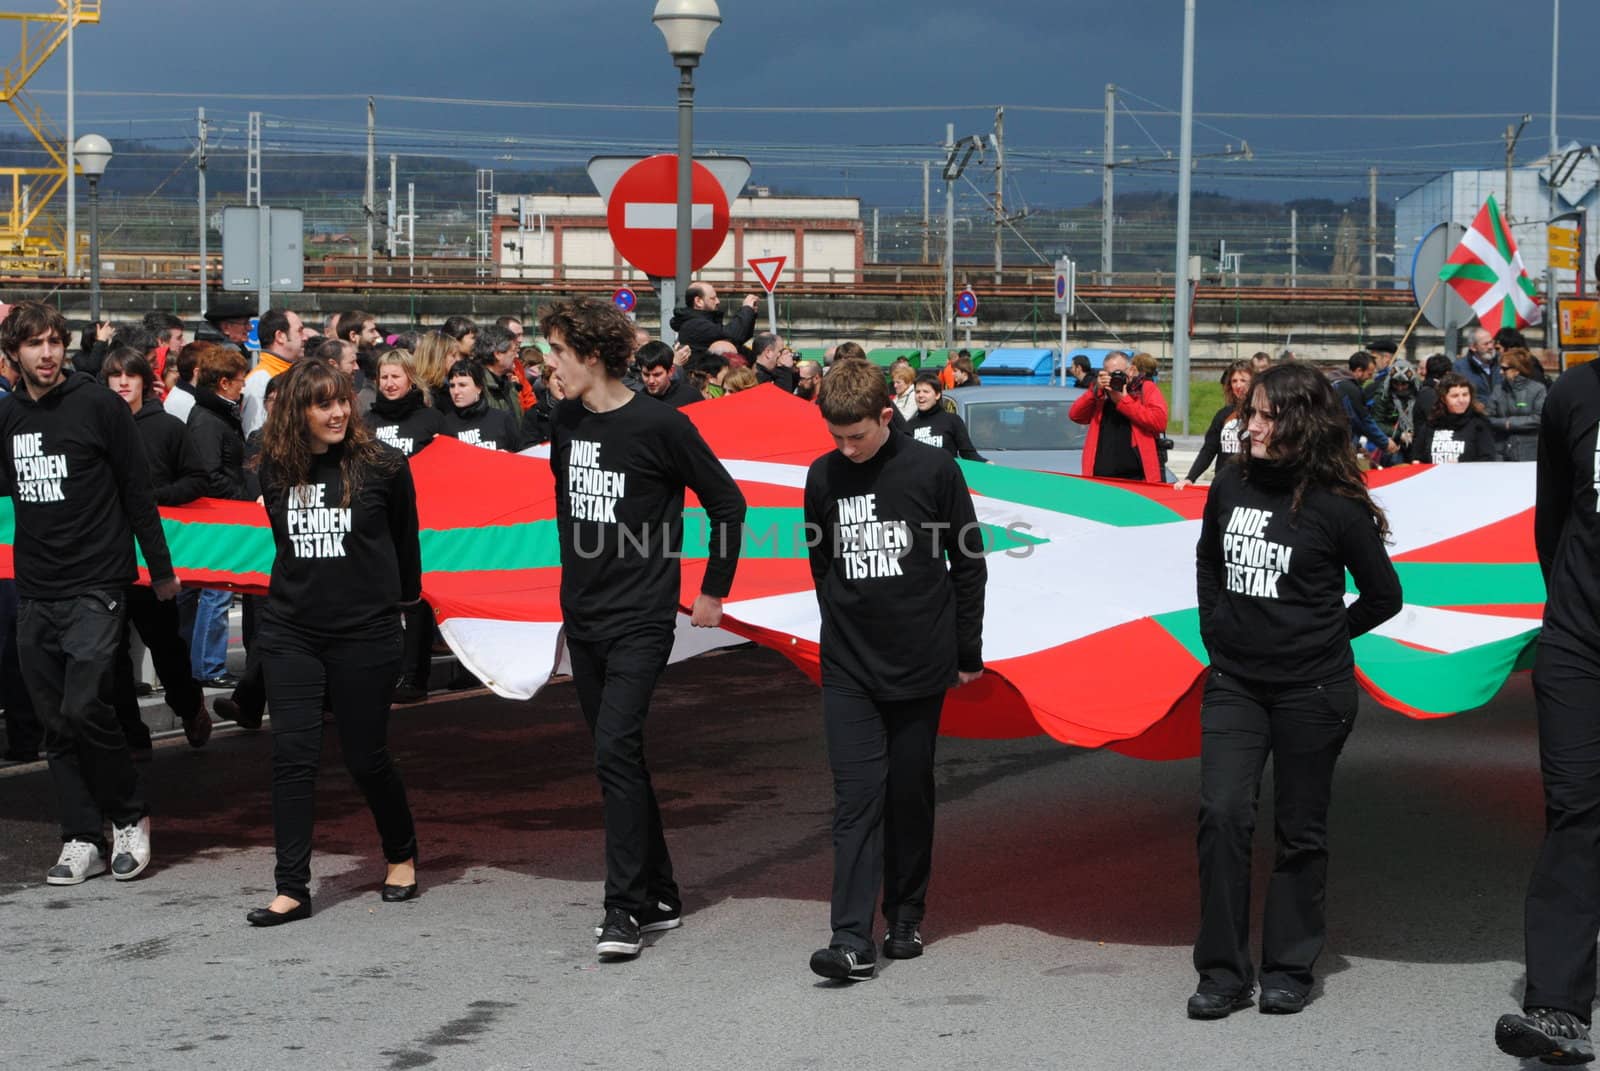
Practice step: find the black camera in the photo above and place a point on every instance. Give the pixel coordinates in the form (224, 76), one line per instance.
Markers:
(1119, 381)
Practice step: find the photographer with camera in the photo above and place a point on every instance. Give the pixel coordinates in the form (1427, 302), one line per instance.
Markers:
(1126, 413)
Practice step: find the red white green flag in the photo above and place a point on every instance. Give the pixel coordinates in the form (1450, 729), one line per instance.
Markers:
(1488, 273)
(1091, 633)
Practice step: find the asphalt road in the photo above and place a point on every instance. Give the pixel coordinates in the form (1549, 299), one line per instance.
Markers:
(1062, 906)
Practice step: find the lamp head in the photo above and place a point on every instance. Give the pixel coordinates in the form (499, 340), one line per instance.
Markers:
(687, 26)
(92, 153)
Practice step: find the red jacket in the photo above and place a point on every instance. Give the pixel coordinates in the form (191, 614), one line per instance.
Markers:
(1147, 414)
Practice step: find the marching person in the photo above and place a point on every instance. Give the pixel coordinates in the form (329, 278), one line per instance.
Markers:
(1224, 438)
(344, 521)
(71, 461)
(468, 415)
(176, 477)
(621, 464)
(900, 628)
(400, 416)
(1562, 913)
(937, 426)
(1281, 527)
(1457, 430)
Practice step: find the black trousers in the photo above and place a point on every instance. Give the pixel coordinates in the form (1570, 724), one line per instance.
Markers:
(23, 732)
(1304, 728)
(157, 622)
(417, 664)
(67, 647)
(614, 679)
(251, 693)
(357, 673)
(881, 753)
(1563, 905)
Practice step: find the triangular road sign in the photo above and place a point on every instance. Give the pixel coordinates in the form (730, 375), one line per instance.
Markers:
(768, 269)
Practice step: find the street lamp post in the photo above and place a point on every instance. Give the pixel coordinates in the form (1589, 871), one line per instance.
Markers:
(687, 25)
(93, 153)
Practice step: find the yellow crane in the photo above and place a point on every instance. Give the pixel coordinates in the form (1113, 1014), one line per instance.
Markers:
(29, 239)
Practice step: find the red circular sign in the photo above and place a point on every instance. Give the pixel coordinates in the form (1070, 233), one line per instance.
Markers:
(642, 216)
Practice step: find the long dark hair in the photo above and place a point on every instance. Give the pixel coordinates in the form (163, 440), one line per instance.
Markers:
(286, 440)
(1448, 382)
(1311, 433)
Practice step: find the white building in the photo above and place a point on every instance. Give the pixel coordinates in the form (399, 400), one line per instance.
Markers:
(1457, 196)
(558, 236)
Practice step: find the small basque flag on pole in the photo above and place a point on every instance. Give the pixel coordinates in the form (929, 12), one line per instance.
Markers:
(1488, 273)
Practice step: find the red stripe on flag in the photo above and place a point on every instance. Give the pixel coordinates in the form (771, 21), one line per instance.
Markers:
(1508, 541)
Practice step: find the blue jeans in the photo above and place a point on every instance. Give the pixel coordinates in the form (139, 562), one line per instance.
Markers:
(208, 650)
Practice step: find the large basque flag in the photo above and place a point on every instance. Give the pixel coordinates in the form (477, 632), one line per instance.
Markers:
(1091, 632)
(1488, 273)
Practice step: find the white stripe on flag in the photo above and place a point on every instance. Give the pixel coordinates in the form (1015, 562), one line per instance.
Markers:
(656, 216)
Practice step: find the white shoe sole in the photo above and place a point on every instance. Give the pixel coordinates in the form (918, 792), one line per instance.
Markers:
(618, 948)
(50, 880)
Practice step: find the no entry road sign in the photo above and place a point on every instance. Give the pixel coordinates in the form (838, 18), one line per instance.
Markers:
(642, 216)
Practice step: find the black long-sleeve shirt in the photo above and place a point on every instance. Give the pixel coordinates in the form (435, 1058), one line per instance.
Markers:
(944, 429)
(407, 423)
(1453, 438)
(1271, 582)
(76, 472)
(1566, 513)
(343, 569)
(899, 570)
(218, 437)
(1224, 438)
(481, 425)
(620, 478)
(175, 469)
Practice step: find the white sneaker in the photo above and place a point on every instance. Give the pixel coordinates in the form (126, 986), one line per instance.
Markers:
(79, 862)
(130, 849)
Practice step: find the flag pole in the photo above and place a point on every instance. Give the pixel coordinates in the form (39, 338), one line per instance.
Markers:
(1422, 305)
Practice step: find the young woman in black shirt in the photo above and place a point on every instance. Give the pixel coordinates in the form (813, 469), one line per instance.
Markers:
(344, 520)
(1457, 428)
(937, 426)
(468, 415)
(1281, 527)
(1225, 437)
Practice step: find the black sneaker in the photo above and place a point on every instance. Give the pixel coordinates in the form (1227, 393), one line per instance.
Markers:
(409, 691)
(619, 935)
(902, 941)
(229, 709)
(655, 918)
(1555, 1037)
(843, 964)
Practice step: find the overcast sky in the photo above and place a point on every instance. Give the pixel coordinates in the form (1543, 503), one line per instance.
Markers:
(908, 67)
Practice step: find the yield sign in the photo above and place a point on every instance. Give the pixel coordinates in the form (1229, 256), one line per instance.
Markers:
(768, 269)
(641, 207)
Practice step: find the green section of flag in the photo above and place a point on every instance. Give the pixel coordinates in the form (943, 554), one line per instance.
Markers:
(1099, 502)
(1437, 683)
(1184, 626)
(1468, 583)
(218, 548)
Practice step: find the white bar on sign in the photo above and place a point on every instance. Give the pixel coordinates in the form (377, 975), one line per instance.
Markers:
(648, 216)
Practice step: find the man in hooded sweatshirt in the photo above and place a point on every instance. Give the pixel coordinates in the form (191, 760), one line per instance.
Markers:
(71, 460)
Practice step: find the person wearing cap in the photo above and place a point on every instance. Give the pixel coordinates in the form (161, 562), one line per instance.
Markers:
(231, 321)
(1383, 352)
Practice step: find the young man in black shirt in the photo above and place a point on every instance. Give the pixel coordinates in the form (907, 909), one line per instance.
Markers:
(1562, 917)
(897, 558)
(71, 460)
(621, 465)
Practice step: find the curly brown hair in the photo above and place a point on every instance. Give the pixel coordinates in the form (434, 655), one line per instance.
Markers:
(286, 441)
(592, 328)
(1311, 433)
(1447, 382)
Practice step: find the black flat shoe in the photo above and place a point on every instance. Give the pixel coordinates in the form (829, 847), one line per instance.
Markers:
(399, 894)
(1217, 1005)
(262, 916)
(1281, 1002)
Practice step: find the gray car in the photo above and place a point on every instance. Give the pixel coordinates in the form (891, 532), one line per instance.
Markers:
(1023, 427)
